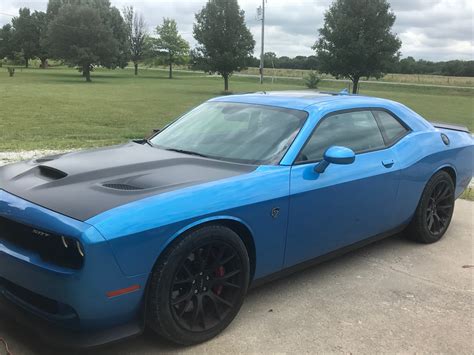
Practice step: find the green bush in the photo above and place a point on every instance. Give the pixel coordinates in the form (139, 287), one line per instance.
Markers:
(312, 80)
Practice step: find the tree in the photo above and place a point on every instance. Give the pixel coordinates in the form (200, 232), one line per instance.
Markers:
(171, 44)
(225, 42)
(41, 24)
(86, 35)
(26, 35)
(6, 42)
(136, 32)
(356, 39)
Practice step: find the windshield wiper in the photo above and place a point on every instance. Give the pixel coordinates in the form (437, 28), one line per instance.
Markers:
(187, 152)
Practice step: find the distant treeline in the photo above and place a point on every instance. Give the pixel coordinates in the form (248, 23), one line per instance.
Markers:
(403, 66)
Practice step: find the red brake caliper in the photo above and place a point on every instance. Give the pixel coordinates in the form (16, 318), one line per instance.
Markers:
(220, 271)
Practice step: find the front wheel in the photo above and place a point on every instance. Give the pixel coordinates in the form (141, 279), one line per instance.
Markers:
(198, 285)
(435, 210)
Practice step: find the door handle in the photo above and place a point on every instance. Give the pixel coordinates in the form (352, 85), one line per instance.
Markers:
(388, 163)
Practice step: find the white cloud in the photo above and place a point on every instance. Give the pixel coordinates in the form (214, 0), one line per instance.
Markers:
(429, 29)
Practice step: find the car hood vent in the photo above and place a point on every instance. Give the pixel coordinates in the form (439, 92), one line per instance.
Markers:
(123, 187)
(51, 173)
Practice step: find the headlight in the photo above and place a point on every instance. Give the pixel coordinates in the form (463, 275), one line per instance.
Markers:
(56, 249)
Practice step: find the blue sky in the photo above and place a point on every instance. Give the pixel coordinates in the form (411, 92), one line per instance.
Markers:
(429, 29)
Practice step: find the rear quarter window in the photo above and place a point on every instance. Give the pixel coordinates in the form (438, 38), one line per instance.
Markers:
(393, 130)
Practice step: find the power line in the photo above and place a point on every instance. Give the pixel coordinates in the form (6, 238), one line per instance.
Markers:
(5, 14)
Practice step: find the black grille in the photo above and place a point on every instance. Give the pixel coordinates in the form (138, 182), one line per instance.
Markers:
(45, 304)
(48, 246)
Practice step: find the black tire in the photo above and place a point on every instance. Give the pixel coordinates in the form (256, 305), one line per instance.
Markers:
(198, 285)
(435, 210)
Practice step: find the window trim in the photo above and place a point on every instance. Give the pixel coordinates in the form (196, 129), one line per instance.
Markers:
(358, 109)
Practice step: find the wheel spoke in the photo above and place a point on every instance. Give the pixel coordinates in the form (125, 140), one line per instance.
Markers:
(181, 299)
(184, 308)
(444, 207)
(430, 222)
(440, 221)
(229, 284)
(203, 257)
(445, 194)
(216, 308)
(183, 282)
(198, 310)
(226, 260)
(186, 268)
(223, 279)
(221, 300)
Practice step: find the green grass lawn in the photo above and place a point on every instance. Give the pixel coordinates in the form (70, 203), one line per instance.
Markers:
(56, 109)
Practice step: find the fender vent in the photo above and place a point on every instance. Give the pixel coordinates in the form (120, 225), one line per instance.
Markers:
(123, 187)
(51, 173)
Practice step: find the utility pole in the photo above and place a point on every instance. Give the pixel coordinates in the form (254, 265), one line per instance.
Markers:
(262, 54)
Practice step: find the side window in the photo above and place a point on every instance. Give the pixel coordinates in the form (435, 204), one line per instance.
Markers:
(392, 129)
(356, 130)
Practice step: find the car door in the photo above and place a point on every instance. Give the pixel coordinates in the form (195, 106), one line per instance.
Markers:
(346, 203)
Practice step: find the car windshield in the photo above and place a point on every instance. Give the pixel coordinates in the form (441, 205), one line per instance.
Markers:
(244, 133)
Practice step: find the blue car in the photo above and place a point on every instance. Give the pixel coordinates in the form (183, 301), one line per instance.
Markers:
(170, 232)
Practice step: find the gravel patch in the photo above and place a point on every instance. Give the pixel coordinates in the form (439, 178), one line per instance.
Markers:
(10, 157)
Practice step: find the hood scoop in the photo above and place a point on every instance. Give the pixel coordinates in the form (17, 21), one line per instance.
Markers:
(51, 173)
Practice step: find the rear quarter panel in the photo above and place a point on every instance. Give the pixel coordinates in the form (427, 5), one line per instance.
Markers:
(421, 154)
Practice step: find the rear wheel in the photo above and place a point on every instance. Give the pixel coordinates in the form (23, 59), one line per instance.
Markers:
(198, 286)
(435, 210)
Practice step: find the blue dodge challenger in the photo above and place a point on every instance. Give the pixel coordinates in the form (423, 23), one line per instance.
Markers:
(169, 232)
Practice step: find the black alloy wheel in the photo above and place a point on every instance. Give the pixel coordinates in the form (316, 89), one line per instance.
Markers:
(440, 207)
(203, 291)
(435, 210)
(198, 285)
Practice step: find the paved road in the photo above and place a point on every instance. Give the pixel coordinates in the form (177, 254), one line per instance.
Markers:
(393, 297)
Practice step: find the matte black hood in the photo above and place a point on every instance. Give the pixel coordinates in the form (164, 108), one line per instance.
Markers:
(83, 184)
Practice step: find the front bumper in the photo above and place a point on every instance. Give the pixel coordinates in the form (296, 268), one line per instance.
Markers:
(69, 307)
(65, 338)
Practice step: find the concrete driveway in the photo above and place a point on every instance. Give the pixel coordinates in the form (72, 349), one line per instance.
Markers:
(394, 296)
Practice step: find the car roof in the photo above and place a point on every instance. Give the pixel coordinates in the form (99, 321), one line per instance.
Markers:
(303, 99)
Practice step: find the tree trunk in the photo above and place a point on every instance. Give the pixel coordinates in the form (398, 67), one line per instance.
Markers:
(226, 82)
(26, 62)
(136, 68)
(44, 63)
(171, 67)
(355, 87)
(86, 71)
